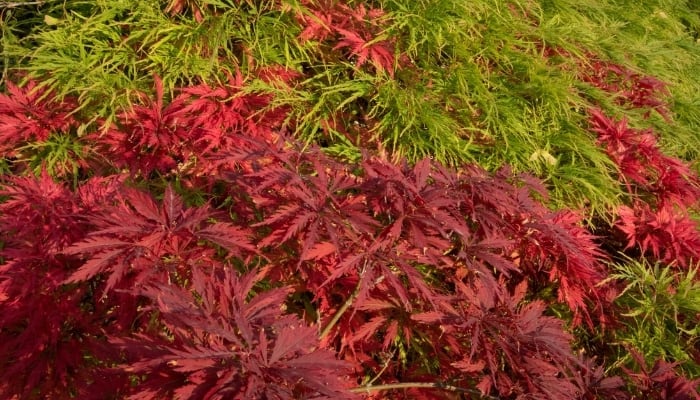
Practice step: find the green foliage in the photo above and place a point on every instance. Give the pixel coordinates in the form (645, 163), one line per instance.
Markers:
(661, 307)
(106, 52)
(471, 80)
(60, 155)
(171, 92)
(658, 38)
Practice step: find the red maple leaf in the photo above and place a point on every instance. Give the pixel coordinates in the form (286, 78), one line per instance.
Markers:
(47, 335)
(355, 29)
(510, 347)
(31, 113)
(661, 381)
(41, 217)
(630, 88)
(378, 52)
(147, 137)
(639, 158)
(139, 235)
(668, 233)
(234, 344)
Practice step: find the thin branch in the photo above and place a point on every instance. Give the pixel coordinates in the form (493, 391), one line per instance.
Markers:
(386, 365)
(345, 305)
(420, 385)
(340, 312)
(22, 4)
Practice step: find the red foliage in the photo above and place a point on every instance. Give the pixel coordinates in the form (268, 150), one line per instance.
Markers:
(229, 344)
(30, 113)
(373, 239)
(139, 237)
(633, 151)
(199, 122)
(46, 328)
(41, 217)
(662, 187)
(668, 233)
(301, 276)
(661, 381)
(355, 29)
(511, 346)
(216, 114)
(146, 137)
(629, 87)
(640, 160)
(661, 226)
(595, 385)
(571, 255)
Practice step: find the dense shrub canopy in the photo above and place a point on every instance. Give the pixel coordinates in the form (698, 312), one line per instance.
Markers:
(285, 199)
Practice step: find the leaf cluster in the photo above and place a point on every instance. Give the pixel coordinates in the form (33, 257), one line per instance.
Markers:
(420, 262)
(328, 199)
(459, 82)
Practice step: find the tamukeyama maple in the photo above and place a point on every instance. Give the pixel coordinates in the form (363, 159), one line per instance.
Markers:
(298, 276)
(186, 244)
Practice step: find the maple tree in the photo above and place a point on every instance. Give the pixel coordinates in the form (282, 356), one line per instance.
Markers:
(355, 29)
(345, 199)
(353, 235)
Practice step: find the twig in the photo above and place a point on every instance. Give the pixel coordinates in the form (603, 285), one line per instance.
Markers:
(339, 313)
(386, 365)
(345, 305)
(22, 3)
